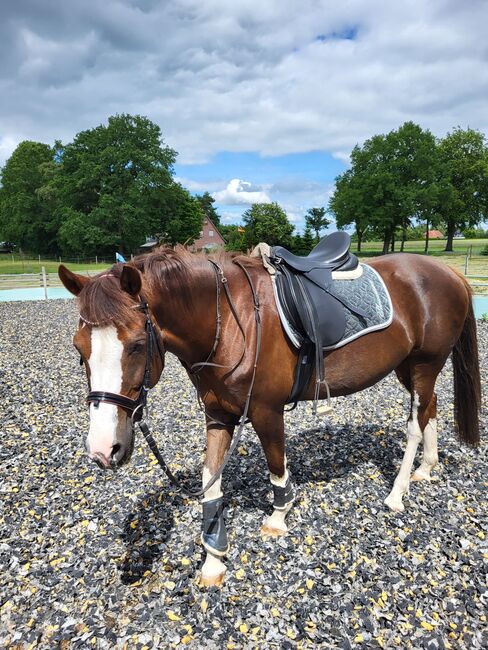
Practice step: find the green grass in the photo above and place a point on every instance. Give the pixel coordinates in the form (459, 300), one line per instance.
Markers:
(16, 266)
(436, 247)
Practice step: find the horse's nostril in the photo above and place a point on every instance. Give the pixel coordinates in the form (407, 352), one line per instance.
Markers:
(115, 449)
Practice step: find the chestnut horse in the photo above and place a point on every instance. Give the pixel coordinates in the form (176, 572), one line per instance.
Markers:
(433, 316)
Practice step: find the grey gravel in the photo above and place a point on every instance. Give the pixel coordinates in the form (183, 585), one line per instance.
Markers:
(102, 560)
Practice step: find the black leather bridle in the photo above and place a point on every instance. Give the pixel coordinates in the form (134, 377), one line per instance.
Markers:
(134, 407)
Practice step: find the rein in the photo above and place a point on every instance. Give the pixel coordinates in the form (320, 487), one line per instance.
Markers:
(136, 407)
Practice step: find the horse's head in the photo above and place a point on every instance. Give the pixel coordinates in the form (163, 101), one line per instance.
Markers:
(121, 347)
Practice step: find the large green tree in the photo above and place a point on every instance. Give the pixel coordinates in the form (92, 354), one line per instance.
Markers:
(267, 222)
(25, 217)
(385, 188)
(463, 184)
(316, 220)
(115, 186)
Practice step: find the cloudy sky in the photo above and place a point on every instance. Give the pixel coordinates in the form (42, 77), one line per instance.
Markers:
(263, 100)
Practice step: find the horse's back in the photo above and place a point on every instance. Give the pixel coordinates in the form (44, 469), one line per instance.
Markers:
(428, 295)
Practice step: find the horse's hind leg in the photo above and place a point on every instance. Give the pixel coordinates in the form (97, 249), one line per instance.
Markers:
(429, 453)
(270, 427)
(419, 379)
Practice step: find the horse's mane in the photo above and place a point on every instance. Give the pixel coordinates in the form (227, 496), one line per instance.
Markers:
(176, 271)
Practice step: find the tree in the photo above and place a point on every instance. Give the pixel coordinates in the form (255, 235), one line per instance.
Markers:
(389, 183)
(206, 203)
(316, 221)
(308, 240)
(267, 222)
(463, 186)
(115, 186)
(24, 217)
(179, 217)
(234, 236)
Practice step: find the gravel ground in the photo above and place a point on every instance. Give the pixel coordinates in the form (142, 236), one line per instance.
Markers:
(103, 560)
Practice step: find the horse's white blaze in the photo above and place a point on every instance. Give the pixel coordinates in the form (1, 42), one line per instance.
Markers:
(402, 481)
(106, 375)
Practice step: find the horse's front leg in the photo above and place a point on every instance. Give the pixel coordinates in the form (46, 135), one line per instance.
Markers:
(270, 427)
(214, 534)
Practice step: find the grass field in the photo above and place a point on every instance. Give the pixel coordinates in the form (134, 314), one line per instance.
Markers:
(16, 265)
(436, 247)
(477, 269)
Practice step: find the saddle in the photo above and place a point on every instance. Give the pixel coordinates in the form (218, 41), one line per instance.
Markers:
(317, 315)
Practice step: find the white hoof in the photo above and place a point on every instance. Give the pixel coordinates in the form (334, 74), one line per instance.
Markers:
(394, 503)
(272, 531)
(421, 475)
(213, 572)
(275, 525)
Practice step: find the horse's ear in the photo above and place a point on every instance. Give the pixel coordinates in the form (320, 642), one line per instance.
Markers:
(130, 280)
(72, 281)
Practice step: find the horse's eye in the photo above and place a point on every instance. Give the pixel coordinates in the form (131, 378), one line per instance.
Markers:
(135, 348)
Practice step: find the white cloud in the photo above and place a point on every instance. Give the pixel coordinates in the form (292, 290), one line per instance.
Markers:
(273, 77)
(240, 192)
(7, 145)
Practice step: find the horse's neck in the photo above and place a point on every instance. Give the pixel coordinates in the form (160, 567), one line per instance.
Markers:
(186, 311)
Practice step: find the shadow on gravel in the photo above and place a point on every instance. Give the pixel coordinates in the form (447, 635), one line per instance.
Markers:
(315, 454)
(324, 454)
(146, 533)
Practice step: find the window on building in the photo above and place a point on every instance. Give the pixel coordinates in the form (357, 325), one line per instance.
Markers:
(210, 233)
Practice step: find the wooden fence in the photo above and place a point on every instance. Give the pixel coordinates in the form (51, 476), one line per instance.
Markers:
(35, 280)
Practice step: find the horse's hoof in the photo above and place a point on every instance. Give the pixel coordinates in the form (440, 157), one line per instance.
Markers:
(420, 476)
(394, 504)
(212, 581)
(270, 531)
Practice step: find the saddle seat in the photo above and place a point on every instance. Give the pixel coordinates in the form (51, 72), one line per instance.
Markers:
(330, 253)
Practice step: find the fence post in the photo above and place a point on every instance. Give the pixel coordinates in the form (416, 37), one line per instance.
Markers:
(44, 281)
(96, 259)
(466, 264)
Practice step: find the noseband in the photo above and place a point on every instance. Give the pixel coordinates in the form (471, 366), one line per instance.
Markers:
(134, 407)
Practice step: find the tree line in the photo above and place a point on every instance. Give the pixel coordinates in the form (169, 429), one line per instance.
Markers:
(407, 177)
(114, 185)
(107, 190)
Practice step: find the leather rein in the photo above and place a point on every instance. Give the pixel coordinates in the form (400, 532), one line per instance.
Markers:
(136, 407)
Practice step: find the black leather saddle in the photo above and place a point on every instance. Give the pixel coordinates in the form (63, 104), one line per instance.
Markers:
(331, 252)
(306, 295)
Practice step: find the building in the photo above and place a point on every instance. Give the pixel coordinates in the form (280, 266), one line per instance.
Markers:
(435, 234)
(210, 239)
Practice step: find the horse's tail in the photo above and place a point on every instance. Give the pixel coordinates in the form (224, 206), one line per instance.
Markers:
(467, 385)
